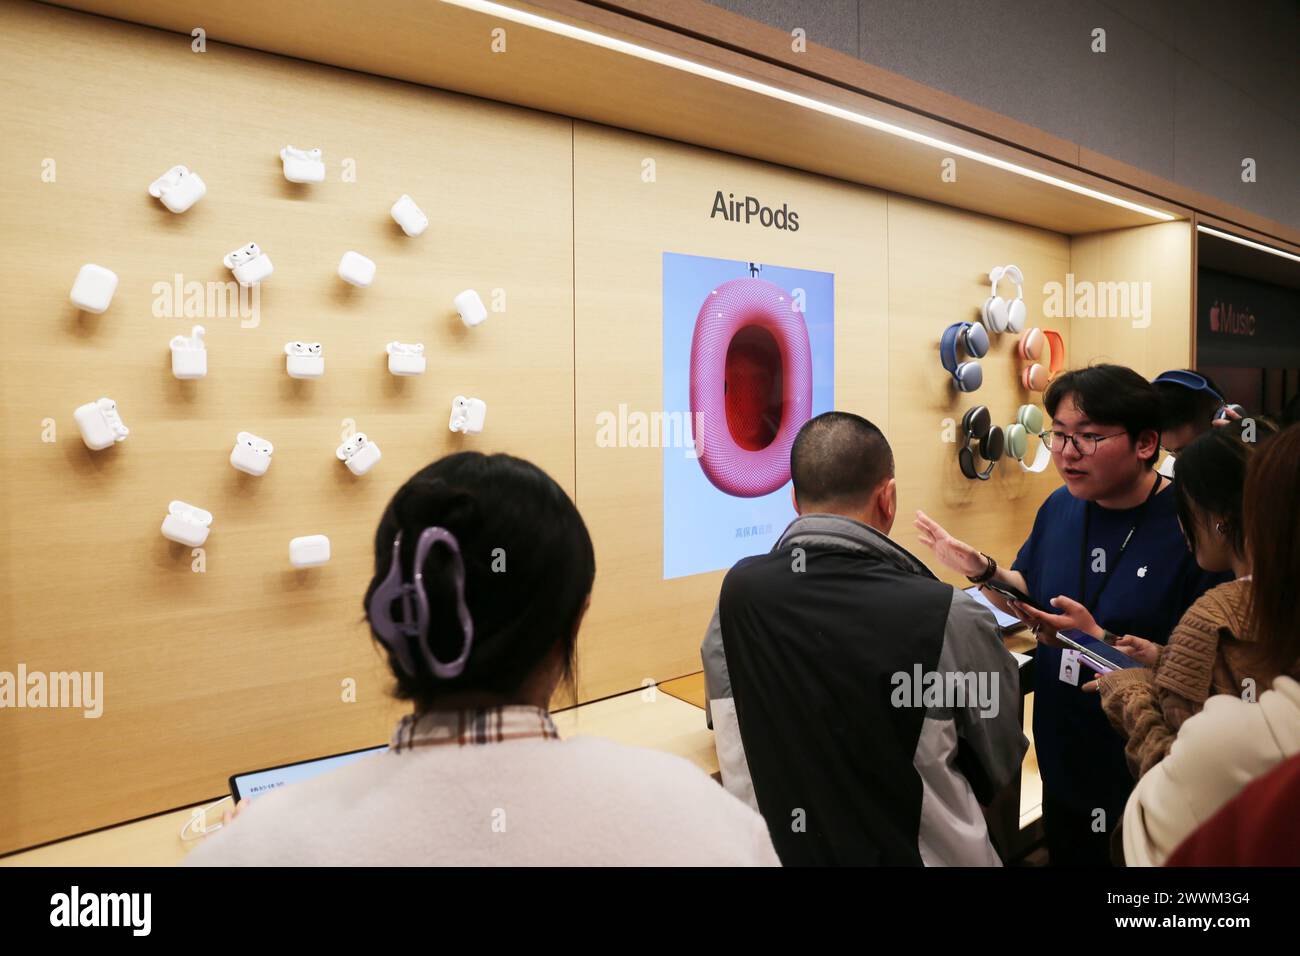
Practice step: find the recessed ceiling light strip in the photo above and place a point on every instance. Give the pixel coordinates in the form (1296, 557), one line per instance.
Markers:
(774, 92)
(1247, 242)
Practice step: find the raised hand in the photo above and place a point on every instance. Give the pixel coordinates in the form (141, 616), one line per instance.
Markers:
(952, 553)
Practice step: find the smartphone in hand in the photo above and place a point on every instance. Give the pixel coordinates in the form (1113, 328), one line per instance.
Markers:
(1017, 595)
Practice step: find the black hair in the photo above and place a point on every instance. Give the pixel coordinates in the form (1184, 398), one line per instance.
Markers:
(1211, 475)
(1209, 478)
(1109, 395)
(1180, 405)
(529, 567)
(839, 458)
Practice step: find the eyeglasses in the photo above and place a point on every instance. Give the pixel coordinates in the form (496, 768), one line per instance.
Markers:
(1084, 443)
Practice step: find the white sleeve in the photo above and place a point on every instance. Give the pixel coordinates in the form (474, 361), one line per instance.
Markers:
(1216, 753)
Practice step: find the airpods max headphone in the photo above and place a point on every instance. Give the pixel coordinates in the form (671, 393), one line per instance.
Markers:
(1029, 421)
(978, 424)
(1035, 377)
(999, 314)
(970, 336)
(1197, 383)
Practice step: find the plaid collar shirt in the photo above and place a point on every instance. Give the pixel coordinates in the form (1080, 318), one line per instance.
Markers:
(480, 725)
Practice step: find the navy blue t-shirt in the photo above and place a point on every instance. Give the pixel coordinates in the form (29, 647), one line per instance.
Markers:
(1080, 755)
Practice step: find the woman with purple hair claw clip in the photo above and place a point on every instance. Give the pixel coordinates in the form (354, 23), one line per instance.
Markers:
(483, 572)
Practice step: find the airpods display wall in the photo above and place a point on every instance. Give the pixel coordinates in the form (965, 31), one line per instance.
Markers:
(577, 333)
(151, 599)
(751, 385)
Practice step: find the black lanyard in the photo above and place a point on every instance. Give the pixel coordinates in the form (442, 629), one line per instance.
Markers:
(1083, 549)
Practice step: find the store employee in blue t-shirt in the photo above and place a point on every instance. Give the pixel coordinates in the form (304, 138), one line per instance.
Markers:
(1110, 540)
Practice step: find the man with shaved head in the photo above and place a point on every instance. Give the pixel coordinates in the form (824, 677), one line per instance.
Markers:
(864, 707)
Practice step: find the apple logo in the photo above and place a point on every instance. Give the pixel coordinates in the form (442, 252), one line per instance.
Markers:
(1142, 571)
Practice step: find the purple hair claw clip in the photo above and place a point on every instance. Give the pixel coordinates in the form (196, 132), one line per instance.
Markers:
(415, 606)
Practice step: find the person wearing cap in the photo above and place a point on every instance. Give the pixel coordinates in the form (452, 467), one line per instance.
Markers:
(1190, 404)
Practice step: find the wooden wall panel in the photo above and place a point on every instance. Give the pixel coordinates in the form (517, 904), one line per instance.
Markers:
(939, 261)
(240, 666)
(1159, 254)
(641, 626)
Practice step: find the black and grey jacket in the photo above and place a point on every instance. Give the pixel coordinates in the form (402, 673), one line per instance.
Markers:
(864, 707)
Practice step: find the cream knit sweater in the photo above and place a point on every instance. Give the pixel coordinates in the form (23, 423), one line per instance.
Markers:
(584, 801)
(1217, 752)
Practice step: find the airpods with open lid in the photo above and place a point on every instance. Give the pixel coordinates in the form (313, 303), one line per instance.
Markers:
(359, 453)
(467, 415)
(251, 455)
(178, 189)
(249, 264)
(100, 424)
(303, 165)
(304, 359)
(189, 354)
(186, 524)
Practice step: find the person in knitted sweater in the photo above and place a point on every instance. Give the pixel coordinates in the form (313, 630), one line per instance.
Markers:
(1211, 650)
(1205, 656)
(1232, 741)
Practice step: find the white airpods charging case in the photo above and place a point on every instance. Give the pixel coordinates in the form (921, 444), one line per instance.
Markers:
(359, 453)
(467, 415)
(309, 551)
(406, 359)
(178, 188)
(304, 359)
(251, 455)
(99, 424)
(186, 524)
(470, 307)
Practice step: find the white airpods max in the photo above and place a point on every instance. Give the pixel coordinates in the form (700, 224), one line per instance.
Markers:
(249, 264)
(359, 453)
(94, 287)
(303, 165)
(355, 269)
(405, 359)
(189, 355)
(251, 455)
(304, 360)
(309, 551)
(178, 188)
(467, 415)
(409, 216)
(186, 524)
(471, 308)
(100, 424)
